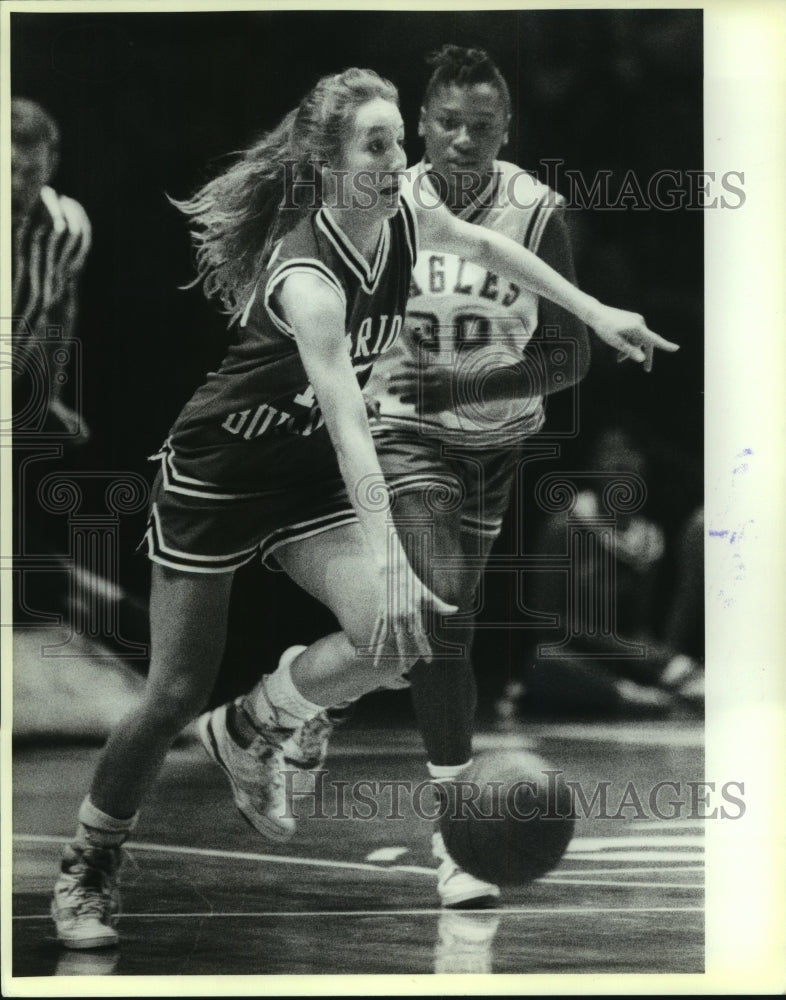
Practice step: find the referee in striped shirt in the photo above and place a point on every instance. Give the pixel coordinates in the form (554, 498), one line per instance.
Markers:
(51, 240)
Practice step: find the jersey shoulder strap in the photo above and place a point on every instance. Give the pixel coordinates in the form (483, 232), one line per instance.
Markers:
(523, 205)
(297, 252)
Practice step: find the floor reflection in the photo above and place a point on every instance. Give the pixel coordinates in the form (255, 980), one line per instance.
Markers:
(465, 941)
(87, 963)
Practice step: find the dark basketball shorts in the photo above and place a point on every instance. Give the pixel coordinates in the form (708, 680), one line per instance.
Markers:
(475, 483)
(200, 527)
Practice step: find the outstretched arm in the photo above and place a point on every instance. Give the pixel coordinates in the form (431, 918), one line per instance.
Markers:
(625, 331)
(435, 388)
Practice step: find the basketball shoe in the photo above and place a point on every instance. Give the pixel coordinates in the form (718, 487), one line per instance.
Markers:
(253, 765)
(458, 889)
(86, 900)
(306, 749)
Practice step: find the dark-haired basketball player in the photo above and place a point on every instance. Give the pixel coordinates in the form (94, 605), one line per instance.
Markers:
(460, 392)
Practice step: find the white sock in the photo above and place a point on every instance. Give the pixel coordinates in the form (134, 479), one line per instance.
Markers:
(98, 829)
(276, 700)
(446, 772)
(442, 774)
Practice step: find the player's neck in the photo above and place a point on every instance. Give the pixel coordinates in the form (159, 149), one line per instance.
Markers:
(362, 230)
(464, 189)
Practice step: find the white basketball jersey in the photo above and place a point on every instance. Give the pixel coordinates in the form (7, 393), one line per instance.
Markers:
(468, 318)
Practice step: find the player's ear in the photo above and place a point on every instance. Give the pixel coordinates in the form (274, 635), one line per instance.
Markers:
(421, 126)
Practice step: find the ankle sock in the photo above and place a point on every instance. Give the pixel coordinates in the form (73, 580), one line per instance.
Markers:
(442, 775)
(446, 772)
(276, 700)
(98, 829)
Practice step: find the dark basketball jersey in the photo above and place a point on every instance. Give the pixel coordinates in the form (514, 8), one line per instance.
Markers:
(261, 396)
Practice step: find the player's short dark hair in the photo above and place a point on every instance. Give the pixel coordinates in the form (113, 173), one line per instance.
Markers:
(32, 125)
(464, 67)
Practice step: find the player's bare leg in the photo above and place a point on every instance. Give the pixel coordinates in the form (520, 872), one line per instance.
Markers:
(188, 614)
(335, 569)
(249, 737)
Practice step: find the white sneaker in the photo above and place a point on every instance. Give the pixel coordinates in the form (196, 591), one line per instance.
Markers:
(307, 747)
(457, 888)
(254, 771)
(86, 900)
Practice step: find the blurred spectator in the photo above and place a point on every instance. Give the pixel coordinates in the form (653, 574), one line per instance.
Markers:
(592, 673)
(51, 240)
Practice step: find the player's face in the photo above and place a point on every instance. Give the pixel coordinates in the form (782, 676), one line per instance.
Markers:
(464, 128)
(31, 168)
(373, 158)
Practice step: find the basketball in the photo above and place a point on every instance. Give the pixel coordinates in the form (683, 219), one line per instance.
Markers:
(508, 819)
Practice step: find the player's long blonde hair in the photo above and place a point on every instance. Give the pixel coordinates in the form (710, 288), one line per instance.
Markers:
(237, 217)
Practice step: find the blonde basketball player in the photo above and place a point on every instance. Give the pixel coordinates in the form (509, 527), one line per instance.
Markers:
(272, 457)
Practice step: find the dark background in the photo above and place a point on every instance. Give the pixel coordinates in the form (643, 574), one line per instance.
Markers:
(150, 103)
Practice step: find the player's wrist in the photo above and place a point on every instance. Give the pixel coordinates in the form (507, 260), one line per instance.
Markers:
(389, 555)
(592, 311)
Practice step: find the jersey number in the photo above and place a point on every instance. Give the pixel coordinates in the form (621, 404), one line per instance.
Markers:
(472, 331)
(306, 398)
(468, 330)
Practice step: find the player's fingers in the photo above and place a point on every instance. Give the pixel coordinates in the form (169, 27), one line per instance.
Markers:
(73, 213)
(398, 383)
(649, 352)
(639, 333)
(658, 341)
(52, 202)
(631, 351)
(442, 606)
(70, 247)
(414, 645)
(405, 365)
(378, 637)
